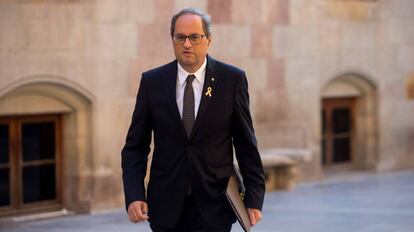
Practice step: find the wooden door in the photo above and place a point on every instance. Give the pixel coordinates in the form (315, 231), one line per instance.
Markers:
(337, 131)
(30, 163)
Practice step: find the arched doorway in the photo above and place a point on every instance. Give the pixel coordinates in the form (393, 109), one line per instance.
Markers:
(348, 119)
(46, 146)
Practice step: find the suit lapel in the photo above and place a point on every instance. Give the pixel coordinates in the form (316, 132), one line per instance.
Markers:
(208, 87)
(171, 88)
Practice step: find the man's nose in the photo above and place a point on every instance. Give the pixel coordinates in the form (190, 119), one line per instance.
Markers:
(187, 43)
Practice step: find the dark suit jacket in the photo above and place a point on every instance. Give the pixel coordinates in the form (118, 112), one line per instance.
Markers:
(206, 158)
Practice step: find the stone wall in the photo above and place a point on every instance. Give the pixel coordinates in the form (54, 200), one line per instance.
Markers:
(290, 50)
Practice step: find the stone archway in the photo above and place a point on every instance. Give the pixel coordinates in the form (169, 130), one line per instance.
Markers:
(363, 90)
(41, 95)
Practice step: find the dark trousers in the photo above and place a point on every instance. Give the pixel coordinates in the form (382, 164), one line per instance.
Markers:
(191, 221)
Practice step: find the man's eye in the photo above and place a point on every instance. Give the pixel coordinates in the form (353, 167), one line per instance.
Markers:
(180, 37)
(194, 36)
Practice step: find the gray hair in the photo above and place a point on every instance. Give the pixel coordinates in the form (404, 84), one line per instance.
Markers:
(205, 18)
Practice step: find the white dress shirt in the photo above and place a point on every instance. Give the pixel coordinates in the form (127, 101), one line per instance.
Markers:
(197, 83)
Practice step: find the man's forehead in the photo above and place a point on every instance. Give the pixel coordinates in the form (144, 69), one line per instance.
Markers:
(189, 16)
(187, 21)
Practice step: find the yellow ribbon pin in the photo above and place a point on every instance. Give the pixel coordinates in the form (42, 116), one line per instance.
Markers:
(209, 90)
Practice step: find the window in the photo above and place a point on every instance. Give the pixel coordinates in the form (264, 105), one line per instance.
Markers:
(29, 163)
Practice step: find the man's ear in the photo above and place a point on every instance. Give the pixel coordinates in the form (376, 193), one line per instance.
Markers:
(209, 39)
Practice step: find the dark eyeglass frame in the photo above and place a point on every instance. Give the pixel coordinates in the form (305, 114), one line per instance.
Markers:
(194, 39)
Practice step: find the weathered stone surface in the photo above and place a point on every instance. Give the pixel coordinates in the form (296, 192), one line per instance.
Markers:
(181, 4)
(399, 31)
(397, 9)
(353, 10)
(13, 36)
(362, 35)
(276, 74)
(261, 41)
(277, 11)
(271, 102)
(220, 11)
(330, 35)
(281, 134)
(9, 11)
(246, 12)
(305, 12)
(405, 59)
(270, 106)
(164, 11)
(256, 72)
(110, 10)
(154, 40)
(295, 42)
(33, 104)
(410, 86)
(130, 10)
(141, 11)
(112, 40)
(231, 41)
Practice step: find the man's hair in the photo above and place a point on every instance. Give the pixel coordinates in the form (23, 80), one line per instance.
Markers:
(205, 18)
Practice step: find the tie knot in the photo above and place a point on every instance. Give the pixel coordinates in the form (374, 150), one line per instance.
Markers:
(190, 79)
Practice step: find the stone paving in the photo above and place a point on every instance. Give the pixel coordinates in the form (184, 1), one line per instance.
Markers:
(357, 202)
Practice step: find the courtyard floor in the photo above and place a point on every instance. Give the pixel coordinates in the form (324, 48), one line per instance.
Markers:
(357, 202)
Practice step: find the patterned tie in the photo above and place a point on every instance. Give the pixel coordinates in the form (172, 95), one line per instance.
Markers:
(188, 115)
(188, 106)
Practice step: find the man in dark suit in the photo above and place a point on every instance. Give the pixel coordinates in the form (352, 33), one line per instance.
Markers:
(198, 110)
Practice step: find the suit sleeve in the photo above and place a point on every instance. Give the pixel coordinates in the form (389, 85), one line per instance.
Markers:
(137, 147)
(245, 146)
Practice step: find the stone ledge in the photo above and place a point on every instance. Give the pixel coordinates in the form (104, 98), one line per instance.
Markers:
(298, 155)
(280, 166)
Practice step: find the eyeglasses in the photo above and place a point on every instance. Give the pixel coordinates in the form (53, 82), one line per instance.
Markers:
(194, 38)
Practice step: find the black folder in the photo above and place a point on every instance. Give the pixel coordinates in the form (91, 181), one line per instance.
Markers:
(234, 194)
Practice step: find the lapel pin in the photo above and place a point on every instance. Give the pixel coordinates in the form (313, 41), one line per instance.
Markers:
(212, 79)
(209, 90)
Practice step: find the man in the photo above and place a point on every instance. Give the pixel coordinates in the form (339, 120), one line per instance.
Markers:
(198, 110)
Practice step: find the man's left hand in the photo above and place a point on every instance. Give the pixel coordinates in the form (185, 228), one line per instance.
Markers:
(255, 216)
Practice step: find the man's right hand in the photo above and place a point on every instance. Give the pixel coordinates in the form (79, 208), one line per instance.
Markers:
(137, 211)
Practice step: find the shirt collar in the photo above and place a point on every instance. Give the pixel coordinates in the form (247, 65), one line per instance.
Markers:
(199, 74)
